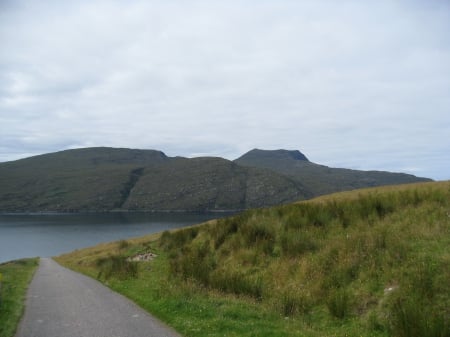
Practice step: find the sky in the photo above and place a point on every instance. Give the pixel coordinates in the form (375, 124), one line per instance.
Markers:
(354, 84)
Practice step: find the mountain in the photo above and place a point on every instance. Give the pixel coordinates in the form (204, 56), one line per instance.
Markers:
(104, 179)
(320, 179)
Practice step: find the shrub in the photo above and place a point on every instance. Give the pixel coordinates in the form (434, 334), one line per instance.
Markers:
(423, 279)
(259, 234)
(117, 266)
(341, 212)
(123, 244)
(410, 317)
(177, 239)
(373, 206)
(415, 310)
(238, 282)
(195, 262)
(296, 242)
(320, 215)
(223, 229)
(295, 221)
(339, 303)
(295, 302)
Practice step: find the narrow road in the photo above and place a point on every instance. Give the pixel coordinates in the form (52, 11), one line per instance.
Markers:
(63, 303)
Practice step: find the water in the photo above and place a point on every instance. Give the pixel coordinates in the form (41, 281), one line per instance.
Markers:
(44, 235)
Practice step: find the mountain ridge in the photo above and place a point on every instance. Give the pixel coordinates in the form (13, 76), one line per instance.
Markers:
(274, 154)
(108, 179)
(321, 179)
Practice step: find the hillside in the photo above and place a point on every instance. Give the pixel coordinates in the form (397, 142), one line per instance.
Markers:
(102, 179)
(105, 179)
(372, 262)
(320, 179)
(211, 184)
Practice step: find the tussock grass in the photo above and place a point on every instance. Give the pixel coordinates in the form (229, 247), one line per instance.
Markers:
(372, 262)
(117, 266)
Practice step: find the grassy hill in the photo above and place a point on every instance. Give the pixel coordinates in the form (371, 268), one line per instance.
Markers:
(105, 179)
(320, 179)
(372, 262)
(211, 184)
(84, 179)
(102, 179)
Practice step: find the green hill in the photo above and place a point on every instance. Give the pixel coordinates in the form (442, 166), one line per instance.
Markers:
(105, 179)
(211, 184)
(371, 262)
(320, 179)
(83, 179)
(99, 179)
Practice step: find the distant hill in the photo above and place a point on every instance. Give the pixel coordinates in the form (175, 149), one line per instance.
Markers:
(320, 179)
(106, 179)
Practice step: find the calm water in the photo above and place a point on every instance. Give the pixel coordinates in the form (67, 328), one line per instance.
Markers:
(52, 234)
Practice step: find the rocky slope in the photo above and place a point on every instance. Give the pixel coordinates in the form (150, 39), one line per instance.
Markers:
(106, 179)
(320, 179)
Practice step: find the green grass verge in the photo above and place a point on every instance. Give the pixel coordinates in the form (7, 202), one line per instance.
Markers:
(16, 275)
(367, 263)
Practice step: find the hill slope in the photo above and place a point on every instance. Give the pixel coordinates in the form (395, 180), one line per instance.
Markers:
(320, 179)
(372, 262)
(210, 184)
(107, 179)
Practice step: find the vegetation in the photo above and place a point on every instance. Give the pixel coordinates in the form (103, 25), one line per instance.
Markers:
(365, 263)
(117, 266)
(105, 179)
(16, 276)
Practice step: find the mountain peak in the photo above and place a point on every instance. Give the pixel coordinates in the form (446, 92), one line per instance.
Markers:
(258, 154)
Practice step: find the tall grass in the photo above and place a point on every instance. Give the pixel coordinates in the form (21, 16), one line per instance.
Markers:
(339, 303)
(416, 309)
(295, 301)
(342, 253)
(116, 266)
(368, 263)
(410, 316)
(296, 242)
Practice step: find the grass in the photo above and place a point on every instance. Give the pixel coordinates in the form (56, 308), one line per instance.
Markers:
(16, 276)
(371, 262)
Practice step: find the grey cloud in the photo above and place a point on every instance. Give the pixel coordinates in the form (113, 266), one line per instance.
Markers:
(350, 83)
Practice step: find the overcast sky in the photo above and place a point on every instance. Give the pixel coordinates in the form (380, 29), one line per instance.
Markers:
(350, 83)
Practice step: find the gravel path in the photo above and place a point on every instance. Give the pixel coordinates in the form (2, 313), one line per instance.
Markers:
(63, 303)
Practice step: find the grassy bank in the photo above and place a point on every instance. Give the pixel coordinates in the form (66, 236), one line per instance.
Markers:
(14, 281)
(366, 263)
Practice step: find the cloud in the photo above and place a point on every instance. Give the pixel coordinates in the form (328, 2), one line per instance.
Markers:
(349, 83)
